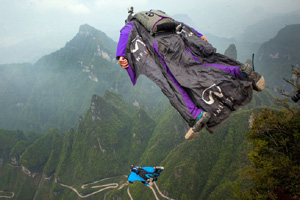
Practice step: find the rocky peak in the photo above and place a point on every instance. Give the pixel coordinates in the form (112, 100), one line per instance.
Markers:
(231, 51)
(86, 30)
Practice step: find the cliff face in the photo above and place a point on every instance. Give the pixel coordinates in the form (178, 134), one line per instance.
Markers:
(276, 57)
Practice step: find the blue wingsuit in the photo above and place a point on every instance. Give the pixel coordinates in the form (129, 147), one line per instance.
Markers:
(143, 174)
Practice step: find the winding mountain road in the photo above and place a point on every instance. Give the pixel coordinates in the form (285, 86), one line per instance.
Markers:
(5, 196)
(110, 186)
(103, 187)
(161, 194)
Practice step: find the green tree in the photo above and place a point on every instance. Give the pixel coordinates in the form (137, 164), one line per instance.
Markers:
(275, 138)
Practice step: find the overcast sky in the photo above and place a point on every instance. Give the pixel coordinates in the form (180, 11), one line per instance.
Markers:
(29, 19)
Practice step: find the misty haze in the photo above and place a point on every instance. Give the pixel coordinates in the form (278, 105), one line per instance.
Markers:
(72, 123)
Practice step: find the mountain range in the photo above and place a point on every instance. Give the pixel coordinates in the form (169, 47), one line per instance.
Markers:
(109, 138)
(73, 121)
(57, 89)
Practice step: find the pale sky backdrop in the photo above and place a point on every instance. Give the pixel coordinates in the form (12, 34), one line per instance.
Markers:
(59, 20)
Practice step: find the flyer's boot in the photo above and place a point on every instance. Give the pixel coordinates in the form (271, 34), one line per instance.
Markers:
(202, 119)
(257, 79)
